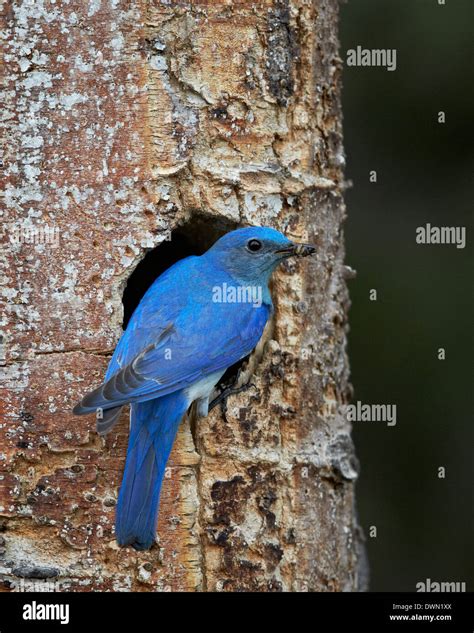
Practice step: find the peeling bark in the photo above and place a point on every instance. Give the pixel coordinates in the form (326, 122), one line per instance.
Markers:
(123, 121)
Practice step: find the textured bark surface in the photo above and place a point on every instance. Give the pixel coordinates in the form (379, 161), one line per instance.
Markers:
(122, 122)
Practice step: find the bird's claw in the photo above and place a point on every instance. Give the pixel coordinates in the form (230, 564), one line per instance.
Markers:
(229, 391)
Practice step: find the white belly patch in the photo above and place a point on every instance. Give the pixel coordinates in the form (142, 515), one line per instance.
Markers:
(203, 388)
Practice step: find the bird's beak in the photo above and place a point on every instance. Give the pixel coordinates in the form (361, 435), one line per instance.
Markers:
(297, 250)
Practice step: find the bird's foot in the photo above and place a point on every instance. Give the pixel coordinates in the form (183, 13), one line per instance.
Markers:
(229, 391)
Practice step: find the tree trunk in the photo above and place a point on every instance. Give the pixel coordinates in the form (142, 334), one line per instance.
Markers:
(124, 121)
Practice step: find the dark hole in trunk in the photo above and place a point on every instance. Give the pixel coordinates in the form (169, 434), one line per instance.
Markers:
(151, 267)
(193, 238)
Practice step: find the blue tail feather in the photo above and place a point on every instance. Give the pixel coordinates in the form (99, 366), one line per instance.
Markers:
(153, 428)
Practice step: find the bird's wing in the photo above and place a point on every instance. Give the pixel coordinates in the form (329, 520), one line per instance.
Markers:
(205, 337)
(160, 306)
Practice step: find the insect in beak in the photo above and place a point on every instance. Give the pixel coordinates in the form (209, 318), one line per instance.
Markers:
(298, 250)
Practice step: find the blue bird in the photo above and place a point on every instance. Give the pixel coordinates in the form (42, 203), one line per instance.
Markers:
(197, 319)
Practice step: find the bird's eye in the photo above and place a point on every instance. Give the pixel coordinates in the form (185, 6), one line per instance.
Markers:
(254, 245)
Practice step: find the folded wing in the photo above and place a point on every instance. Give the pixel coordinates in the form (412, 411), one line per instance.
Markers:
(183, 352)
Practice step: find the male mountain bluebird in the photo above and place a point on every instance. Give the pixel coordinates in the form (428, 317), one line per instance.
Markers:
(179, 342)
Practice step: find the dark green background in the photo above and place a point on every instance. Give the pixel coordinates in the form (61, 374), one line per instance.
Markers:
(424, 524)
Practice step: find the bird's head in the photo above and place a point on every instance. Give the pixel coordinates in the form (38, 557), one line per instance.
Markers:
(253, 253)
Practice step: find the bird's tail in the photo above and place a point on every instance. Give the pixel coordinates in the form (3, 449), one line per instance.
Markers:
(152, 432)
